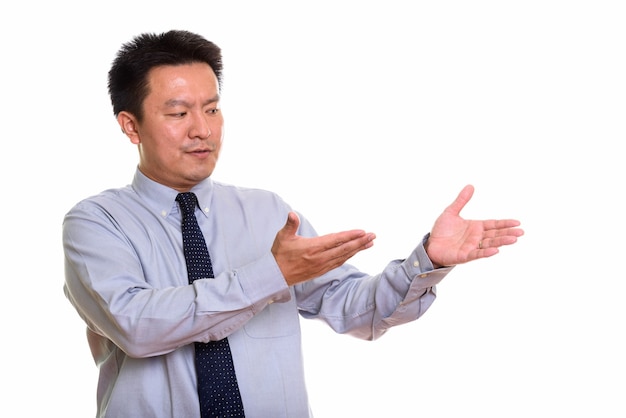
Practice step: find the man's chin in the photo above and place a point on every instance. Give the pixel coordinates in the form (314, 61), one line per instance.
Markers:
(202, 175)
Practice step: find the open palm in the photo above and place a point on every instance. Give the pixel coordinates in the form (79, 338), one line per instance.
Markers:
(454, 240)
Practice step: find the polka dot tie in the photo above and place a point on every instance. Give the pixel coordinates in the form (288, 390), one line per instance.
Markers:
(217, 384)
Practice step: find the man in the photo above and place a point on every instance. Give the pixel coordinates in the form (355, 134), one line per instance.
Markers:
(126, 254)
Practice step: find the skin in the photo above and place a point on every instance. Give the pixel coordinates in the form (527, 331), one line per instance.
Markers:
(180, 136)
(179, 141)
(454, 240)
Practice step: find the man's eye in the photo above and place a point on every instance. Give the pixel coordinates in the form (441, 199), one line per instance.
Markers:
(178, 114)
(213, 111)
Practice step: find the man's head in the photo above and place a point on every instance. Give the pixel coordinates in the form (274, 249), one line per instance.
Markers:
(128, 76)
(165, 91)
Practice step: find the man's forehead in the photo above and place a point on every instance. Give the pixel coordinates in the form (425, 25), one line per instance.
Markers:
(178, 81)
(181, 73)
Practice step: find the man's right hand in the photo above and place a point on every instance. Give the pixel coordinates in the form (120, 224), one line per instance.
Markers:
(302, 258)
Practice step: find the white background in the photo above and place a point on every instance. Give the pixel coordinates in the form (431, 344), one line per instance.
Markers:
(361, 114)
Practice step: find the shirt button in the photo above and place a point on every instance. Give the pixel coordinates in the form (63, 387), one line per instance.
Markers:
(423, 275)
(163, 213)
(416, 264)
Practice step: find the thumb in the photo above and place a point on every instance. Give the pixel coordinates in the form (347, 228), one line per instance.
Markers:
(461, 200)
(292, 224)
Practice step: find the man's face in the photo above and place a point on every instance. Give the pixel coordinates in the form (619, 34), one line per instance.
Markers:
(180, 136)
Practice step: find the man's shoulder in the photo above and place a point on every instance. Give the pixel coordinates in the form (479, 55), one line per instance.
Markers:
(222, 188)
(106, 198)
(247, 195)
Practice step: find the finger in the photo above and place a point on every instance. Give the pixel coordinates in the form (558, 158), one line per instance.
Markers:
(338, 239)
(346, 249)
(292, 224)
(461, 200)
(493, 233)
(486, 252)
(500, 224)
(496, 242)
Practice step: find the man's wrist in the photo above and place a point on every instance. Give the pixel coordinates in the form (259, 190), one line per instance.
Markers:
(426, 244)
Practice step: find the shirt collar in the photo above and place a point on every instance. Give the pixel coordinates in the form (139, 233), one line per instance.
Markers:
(162, 199)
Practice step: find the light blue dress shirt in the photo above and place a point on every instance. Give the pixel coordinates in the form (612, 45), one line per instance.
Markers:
(126, 277)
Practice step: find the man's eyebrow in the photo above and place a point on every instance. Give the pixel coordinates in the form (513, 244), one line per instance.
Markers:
(212, 100)
(184, 103)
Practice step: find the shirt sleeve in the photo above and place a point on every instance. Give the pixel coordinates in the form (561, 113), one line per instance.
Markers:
(365, 306)
(129, 287)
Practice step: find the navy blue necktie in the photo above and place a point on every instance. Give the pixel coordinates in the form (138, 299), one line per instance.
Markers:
(217, 384)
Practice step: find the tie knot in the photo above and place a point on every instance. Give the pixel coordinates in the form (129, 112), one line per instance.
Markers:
(188, 202)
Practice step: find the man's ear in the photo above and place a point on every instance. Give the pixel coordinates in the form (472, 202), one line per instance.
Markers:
(128, 124)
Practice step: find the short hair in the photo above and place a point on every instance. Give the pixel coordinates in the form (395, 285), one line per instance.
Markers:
(128, 76)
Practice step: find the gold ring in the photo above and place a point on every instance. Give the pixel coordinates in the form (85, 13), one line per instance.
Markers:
(480, 244)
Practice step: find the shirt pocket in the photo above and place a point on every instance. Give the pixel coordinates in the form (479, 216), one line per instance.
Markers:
(276, 320)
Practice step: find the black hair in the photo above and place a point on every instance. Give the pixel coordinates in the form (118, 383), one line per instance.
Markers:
(128, 76)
